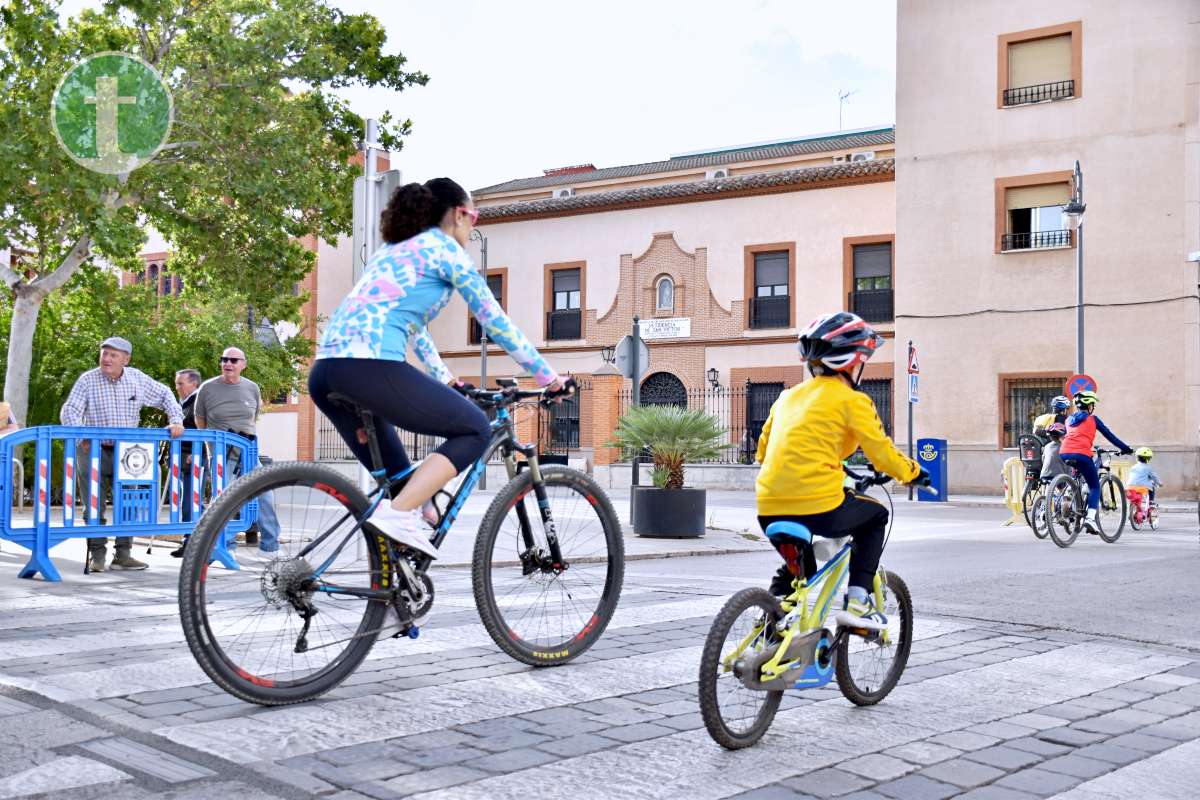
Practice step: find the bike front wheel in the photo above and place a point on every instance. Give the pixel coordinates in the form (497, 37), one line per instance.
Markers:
(868, 668)
(1064, 511)
(735, 715)
(277, 629)
(1113, 507)
(537, 611)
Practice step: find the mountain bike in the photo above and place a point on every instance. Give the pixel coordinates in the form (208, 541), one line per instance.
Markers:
(1065, 503)
(760, 645)
(287, 626)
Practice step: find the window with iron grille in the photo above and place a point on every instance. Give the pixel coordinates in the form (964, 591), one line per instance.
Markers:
(771, 305)
(562, 419)
(564, 321)
(1022, 400)
(495, 284)
(880, 392)
(871, 297)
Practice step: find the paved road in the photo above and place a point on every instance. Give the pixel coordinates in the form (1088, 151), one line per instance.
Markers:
(1036, 672)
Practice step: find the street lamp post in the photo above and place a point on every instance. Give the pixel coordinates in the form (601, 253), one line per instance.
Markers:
(483, 340)
(1075, 209)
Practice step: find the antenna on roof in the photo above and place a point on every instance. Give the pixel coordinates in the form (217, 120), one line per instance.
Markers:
(842, 98)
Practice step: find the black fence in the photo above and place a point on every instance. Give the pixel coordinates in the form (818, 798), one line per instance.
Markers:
(331, 447)
(1058, 90)
(567, 324)
(1034, 240)
(873, 305)
(742, 410)
(770, 312)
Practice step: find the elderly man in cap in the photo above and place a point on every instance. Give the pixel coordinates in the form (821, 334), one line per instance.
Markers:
(230, 402)
(113, 396)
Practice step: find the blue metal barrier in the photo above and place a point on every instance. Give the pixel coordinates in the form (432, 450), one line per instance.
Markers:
(136, 483)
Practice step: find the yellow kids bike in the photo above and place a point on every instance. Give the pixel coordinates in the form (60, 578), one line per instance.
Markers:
(760, 646)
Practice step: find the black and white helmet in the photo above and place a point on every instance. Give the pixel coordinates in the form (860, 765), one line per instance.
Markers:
(839, 341)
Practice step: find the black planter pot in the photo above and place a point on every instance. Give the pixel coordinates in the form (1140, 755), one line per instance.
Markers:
(668, 513)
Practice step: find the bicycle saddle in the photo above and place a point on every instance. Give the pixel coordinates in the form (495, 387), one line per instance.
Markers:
(788, 533)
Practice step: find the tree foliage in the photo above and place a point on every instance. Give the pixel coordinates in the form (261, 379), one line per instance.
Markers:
(258, 162)
(168, 334)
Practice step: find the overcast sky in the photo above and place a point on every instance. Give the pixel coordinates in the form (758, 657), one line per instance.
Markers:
(521, 86)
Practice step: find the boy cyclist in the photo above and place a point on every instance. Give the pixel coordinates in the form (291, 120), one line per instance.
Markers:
(1077, 451)
(811, 429)
(1057, 413)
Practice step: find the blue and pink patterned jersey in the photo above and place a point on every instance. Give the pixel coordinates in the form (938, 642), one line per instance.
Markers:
(403, 288)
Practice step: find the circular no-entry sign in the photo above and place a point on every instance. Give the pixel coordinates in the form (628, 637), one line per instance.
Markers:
(1080, 383)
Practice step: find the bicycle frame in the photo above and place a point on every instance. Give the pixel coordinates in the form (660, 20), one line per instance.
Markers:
(802, 619)
(504, 439)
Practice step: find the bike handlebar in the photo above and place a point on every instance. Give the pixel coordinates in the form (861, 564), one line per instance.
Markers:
(862, 481)
(508, 395)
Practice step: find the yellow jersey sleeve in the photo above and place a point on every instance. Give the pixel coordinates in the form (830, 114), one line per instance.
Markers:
(863, 420)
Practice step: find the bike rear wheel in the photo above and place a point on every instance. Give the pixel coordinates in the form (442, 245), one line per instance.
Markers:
(534, 611)
(1152, 517)
(243, 626)
(1064, 511)
(1113, 507)
(1037, 517)
(868, 668)
(737, 716)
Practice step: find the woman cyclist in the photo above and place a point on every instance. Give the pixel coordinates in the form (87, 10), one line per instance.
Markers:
(363, 353)
(1077, 451)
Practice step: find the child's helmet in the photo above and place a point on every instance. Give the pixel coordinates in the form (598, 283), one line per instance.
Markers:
(1086, 398)
(1060, 403)
(1144, 453)
(1056, 430)
(839, 341)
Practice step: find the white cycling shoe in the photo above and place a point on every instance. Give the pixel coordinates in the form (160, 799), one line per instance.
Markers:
(407, 528)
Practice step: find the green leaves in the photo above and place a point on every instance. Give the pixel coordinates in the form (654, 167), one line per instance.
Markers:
(674, 436)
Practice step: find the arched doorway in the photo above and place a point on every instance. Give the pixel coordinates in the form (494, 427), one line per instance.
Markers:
(663, 389)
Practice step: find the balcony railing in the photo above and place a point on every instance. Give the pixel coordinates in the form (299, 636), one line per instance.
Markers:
(1059, 90)
(873, 305)
(565, 324)
(1034, 241)
(771, 312)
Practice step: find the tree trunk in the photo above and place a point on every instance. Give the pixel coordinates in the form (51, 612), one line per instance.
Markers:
(20, 349)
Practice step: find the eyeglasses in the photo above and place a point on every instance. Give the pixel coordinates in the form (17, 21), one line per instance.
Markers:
(229, 360)
(473, 213)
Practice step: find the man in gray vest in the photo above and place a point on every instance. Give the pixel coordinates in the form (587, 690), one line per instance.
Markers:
(230, 402)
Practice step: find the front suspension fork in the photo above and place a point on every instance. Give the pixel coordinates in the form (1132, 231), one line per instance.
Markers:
(543, 502)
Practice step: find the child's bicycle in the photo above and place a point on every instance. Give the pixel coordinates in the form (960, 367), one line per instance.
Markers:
(759, 646)
(1142, 510)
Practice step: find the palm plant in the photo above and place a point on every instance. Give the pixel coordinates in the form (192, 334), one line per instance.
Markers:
(674, 436)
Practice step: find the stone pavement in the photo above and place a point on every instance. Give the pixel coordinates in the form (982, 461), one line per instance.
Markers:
(99, 697)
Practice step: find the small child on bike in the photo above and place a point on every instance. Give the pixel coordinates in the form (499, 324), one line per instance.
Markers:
(1057, 413)
(812, 428)
(1142, 476)
(1078, 451)
(1052, 463)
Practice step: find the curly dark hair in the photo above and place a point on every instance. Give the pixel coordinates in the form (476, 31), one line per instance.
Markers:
(417, 206)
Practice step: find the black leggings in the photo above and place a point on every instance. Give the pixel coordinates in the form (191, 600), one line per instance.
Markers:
(858, 517)
(400, 396)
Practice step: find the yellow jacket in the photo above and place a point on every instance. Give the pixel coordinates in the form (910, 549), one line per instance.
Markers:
(812, 429)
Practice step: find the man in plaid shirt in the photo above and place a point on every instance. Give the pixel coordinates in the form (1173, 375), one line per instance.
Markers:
(113, 396)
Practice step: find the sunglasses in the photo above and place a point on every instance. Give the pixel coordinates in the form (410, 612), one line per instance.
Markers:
(473, 213)
(229, 360)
